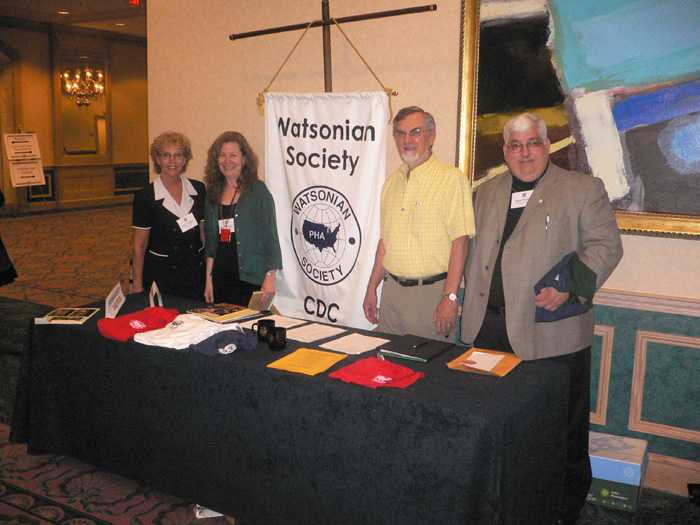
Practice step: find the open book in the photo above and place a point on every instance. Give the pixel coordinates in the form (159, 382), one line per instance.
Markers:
(67, 316)
(224, 312)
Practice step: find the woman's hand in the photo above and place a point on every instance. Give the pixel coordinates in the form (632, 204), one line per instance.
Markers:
(268, 287)
(209, 290)
(209, 281)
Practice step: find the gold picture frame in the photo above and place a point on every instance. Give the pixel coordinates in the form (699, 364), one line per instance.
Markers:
(682, 226)
(469, 66)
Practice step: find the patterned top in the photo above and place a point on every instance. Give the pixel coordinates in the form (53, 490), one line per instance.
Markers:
(421, 215)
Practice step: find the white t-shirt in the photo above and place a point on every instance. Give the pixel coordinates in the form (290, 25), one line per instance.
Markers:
(183, 331)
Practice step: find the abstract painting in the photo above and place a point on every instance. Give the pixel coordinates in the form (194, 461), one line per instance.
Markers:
(618, 83)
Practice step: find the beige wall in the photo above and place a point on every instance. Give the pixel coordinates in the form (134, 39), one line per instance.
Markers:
(201, 84)
(129, 103)
(35, 114)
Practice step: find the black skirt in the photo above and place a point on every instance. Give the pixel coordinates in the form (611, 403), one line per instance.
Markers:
(228, 286)
(181, 275)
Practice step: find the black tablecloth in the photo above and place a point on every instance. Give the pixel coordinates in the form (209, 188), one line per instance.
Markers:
(272, 447)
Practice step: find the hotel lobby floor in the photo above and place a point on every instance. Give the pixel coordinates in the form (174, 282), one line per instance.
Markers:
(68, 258)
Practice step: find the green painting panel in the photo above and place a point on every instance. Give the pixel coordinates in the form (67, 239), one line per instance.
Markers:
(671, 386)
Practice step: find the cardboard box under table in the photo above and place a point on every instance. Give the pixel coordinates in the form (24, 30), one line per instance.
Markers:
(618, 465)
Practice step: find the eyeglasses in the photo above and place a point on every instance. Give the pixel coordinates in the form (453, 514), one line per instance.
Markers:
(415, 132)
(176, 156)
(517, 147)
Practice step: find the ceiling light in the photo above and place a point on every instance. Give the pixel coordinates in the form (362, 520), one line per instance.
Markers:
(63, 13)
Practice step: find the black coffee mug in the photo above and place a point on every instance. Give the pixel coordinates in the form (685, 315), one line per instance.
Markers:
(263, 327)
(277, 338)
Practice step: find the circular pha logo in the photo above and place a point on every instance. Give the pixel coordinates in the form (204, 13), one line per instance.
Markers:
(325, 234)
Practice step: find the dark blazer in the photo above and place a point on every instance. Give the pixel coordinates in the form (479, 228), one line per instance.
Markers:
(567, 212)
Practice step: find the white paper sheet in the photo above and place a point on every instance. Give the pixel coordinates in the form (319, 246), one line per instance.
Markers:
(313, 332)
(483, 361)
(354, 344)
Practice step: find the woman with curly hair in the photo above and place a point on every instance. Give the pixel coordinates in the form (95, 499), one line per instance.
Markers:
(242, 246)
(168, 246)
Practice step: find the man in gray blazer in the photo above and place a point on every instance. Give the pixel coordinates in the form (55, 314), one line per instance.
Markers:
(533, 221)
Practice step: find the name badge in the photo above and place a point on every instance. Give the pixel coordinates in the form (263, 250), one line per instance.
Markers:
(187, 222)
(519, 199)
(226, 226)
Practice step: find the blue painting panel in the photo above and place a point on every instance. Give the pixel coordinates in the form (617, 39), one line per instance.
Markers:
(657, 106)
(604, 44)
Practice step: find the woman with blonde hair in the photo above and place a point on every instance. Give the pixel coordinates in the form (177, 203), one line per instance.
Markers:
(242, 246)
(168, 247)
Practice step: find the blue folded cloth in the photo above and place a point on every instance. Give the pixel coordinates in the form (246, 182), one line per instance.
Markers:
(226, 342)
(559, 277)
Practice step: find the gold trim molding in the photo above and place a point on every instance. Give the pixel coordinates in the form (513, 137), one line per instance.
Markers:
(659, 223)
(669, 474)
(466, 128)
(599, 416)
(648, 302)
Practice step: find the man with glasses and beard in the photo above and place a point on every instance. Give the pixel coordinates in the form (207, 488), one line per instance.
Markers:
(426, 217)
(547, 241)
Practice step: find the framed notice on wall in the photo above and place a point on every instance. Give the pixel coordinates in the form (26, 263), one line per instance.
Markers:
(24, 159)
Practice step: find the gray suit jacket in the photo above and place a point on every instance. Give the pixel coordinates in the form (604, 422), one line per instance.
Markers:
(567, 212)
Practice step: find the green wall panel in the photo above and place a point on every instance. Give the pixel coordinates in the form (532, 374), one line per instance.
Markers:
(672, 390)
(672, 386)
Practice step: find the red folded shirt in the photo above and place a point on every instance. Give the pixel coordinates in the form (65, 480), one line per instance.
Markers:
(377, 373)
(124, 327)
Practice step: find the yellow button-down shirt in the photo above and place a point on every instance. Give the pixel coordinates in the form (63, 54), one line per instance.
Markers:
(421, 215)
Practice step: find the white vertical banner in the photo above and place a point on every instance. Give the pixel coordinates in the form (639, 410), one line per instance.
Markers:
(325, 167)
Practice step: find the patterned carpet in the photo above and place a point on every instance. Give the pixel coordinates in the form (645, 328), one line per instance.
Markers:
(51, 489)
(68, 258)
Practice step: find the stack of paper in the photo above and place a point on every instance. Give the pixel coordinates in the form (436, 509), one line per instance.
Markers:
(313, 332)
(354, 344)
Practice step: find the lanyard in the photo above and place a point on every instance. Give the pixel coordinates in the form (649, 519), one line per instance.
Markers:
(231, 204)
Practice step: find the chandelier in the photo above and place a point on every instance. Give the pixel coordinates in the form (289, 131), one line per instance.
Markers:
(83, 85)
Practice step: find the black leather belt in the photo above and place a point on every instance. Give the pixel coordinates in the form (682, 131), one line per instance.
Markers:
(420, 281)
